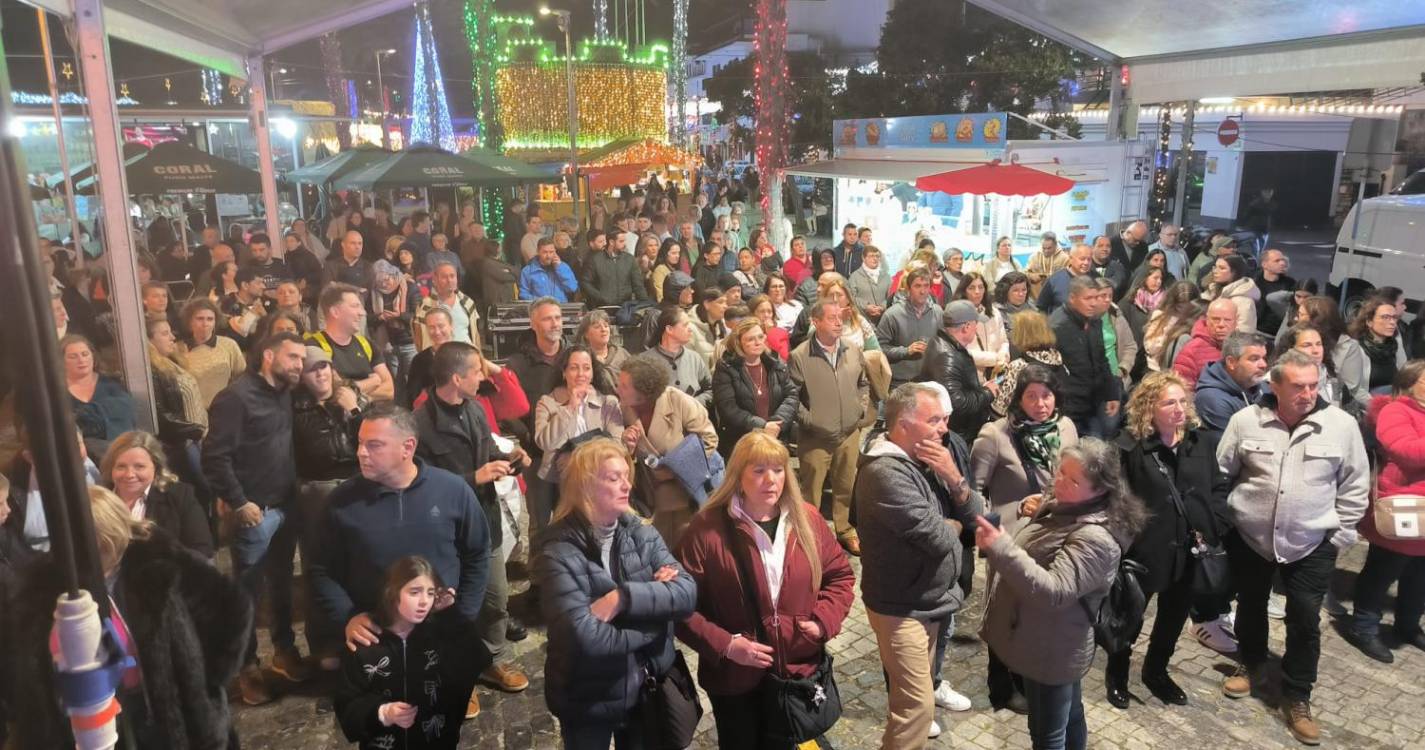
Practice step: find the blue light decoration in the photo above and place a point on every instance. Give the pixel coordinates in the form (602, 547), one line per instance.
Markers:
(678, 70)
(430, 112)
(212, 87)
(601, 20)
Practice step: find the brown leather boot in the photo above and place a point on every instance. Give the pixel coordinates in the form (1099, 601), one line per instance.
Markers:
(1299, 722)
(1239, 685)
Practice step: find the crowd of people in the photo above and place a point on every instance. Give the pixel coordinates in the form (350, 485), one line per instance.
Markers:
(698, 462)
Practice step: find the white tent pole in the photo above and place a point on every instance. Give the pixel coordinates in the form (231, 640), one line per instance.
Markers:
(97, 76)
(257, 117)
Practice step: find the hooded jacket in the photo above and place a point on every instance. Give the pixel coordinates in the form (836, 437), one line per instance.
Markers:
(1045, 578)
(421, 670)
(1218, 396)
(593, 670)
(910, 558)
(899, 328)
(1244, 294)
(369, 526)
(1200, 351)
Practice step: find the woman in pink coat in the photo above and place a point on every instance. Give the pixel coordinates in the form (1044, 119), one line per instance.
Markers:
(1399, 421)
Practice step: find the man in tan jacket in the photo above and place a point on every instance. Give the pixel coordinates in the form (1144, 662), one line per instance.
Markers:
(835, 405)
(1044, 263)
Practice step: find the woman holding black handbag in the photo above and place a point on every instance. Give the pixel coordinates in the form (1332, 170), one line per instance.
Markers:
(610, 592)
(773, 588)
(1172, 465)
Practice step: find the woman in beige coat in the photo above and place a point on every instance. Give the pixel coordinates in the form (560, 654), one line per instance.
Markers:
(1015, 457)
(1046, 578)
(658, 417)
(579, 406)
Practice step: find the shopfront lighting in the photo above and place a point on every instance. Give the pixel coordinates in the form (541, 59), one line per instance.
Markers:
(284, 127)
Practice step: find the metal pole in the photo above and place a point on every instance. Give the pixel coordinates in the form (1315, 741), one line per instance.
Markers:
(97, 76)
(564, 23)
(257, 116)
(75, 230)
(381, 95)
(1184, 164)
(1115, 104)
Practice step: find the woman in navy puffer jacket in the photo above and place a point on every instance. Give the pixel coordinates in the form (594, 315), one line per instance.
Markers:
(610, 591)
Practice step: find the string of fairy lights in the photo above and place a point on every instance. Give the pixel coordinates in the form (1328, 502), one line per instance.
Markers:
(1163, 159)
(678, 68)
(430, 111)
(770, 97)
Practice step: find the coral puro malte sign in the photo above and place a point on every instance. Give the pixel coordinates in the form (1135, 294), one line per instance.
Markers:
(978, 130)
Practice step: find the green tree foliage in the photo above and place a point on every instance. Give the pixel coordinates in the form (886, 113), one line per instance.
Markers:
(811, 98)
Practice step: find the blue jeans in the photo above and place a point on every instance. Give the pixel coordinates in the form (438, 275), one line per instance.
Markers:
(264, 552)
(1056, 715)
(942, 642)
(398, 361)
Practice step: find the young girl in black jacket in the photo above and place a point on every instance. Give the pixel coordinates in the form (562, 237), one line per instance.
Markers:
(404, 692)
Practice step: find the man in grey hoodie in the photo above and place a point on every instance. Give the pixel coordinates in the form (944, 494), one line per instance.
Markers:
(911, 554)
(908, 327)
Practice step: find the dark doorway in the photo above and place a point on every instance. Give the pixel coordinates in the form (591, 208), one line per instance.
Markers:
(1303, 181)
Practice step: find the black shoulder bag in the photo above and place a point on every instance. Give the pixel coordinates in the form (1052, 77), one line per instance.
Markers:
(1212, 576)
(797, 710)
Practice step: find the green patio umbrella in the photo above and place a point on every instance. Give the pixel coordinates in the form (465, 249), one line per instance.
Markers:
(351, 160)
(175, 167)
(431, 167)
(512, 167)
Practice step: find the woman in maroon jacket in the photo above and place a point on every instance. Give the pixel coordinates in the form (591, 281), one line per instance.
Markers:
(1400, 427)
(803, 585)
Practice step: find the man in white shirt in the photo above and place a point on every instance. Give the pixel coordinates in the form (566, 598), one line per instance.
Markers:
(529, 244)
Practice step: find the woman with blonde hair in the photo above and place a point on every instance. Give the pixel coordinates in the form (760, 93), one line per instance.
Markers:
(610, 592)
(136, 470)
(774, 587)
(182, 418)
(1032, 340)
(184, 620)
(1172, 465)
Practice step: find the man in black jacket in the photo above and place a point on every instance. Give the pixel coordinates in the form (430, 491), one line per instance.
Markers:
(1130, 247)
(533, 365)
(611, 275)
(1090, 382)
(249, 462)
(949, 363)
(454, 436)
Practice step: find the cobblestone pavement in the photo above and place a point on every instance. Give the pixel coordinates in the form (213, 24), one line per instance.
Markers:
(1360, 703)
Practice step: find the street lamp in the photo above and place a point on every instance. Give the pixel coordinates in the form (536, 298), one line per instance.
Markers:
(381, 92)
(561, 17)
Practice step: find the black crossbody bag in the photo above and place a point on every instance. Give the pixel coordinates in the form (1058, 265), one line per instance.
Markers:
(799, 709)
(1212, 576)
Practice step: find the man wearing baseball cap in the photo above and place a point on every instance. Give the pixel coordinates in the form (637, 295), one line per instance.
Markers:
(949, 363)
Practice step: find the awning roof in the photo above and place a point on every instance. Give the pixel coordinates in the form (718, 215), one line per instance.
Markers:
(878, 169)
(1237, 47)
(221, 34)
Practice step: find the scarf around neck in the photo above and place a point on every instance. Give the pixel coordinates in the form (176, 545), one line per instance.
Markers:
(1040, 439)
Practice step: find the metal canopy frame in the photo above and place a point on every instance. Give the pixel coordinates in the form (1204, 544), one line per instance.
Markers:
(1313, 58)
(232, 36)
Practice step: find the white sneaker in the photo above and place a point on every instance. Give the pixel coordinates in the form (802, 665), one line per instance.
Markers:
(1276, 606)
(1216, 635)
(934, 729)
(1229, 621)
(948, 699)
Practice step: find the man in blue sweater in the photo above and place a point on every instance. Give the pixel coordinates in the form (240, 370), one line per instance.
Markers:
(400, 506)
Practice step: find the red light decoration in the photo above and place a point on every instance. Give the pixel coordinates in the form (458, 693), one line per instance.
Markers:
(770, 95)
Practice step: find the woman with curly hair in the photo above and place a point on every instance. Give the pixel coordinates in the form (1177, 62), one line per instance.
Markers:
(1172, 464)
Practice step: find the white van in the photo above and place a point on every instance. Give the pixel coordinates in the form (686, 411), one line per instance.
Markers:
(1382, 243)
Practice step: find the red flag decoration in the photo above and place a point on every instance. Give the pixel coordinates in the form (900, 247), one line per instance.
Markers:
(995, 178)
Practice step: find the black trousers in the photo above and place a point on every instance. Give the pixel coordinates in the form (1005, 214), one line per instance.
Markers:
(1003, 684)
(1384, 567)
(1305, 582)
(1174, 603)
(741, 723)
